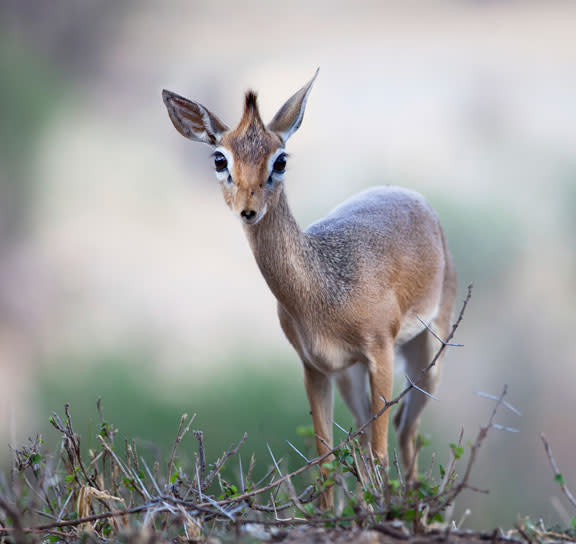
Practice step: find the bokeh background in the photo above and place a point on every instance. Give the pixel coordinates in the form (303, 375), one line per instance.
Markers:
(124, 276)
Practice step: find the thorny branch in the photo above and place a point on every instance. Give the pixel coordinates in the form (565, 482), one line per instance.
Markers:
(362, 428)
(238, 506)
(557, 474)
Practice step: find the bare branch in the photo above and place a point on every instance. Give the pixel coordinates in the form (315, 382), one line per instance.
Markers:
(504, 402)
(298, 451)
(436, 335)
(362, 428)
(557, 474)
(179, 435)
(220, 463)
(420, 389)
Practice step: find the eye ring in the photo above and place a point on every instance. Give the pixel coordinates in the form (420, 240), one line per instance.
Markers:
(220, 162)
(279, 166)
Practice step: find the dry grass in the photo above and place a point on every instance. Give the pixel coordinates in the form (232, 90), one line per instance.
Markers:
(110, 493)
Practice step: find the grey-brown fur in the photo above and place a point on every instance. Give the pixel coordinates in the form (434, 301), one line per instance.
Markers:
(351, 289)
(250, 142)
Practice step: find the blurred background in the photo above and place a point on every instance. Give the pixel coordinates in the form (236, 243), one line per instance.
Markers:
(124, 276)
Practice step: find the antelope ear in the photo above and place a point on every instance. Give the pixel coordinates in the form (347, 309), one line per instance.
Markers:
(193, 120)
(290, 115)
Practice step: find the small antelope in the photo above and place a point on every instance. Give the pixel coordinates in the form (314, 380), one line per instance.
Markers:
(352, 289)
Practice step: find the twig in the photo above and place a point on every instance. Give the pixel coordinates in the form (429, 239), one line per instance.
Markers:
(72, 445)
(179, 435)
(119, 463)
(199, 435)
(151, 476)
(298, 451)
(447, 497)
(557, 474)
(218, 510)
(504, 402)
(420, 389)
(220, 463)
(15, 515)
(436, 335)
(5, 531)
(362, 428)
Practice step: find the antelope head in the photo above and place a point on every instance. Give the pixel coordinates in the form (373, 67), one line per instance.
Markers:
(249, 160)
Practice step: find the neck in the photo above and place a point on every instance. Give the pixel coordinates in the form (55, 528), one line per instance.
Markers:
(284, 255)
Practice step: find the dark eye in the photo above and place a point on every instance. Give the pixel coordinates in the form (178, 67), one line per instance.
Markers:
(220, 162)
(280, 164)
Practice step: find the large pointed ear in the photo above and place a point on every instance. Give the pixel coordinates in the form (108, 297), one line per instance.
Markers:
(193, 120)
(290, 115)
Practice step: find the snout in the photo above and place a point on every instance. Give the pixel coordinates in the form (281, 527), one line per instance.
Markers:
(250, 216)
(249, 203)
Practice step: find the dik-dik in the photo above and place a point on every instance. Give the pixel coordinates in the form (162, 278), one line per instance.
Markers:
(352, 288)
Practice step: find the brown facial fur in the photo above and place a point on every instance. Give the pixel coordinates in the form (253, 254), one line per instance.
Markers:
(251, 145)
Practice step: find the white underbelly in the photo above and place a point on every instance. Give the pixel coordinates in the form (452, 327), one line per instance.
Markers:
(331, 355)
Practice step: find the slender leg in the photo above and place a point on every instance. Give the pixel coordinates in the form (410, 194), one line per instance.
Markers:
(353, 386)
(381, 382)
(320, 398)
(418, 353)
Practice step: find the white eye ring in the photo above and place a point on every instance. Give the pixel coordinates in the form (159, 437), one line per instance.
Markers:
(275, 174)
(224, 174)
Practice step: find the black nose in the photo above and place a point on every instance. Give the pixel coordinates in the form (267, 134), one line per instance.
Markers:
(248, 214)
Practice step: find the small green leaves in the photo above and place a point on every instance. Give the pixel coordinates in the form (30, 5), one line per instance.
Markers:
(349, 510)
(457, 451)
(410, 515)
(423, 441)
(331, 466)
(128, 483)
(573, 522)
(230, 490)
(104, 429)
(438, 517)
(560, 479)
(425, 489)
(309, 508)
(328, 482)
(35, 459)
(369, 497)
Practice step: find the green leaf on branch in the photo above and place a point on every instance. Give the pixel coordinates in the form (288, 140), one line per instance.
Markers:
(457, 451)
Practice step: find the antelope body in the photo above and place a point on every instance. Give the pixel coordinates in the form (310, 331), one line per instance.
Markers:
(352, 289)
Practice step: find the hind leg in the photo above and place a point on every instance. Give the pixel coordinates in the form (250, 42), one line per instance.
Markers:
(418, 353)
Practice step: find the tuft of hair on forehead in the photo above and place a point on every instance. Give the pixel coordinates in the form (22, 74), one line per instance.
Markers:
(251, 101)
(251, 114)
